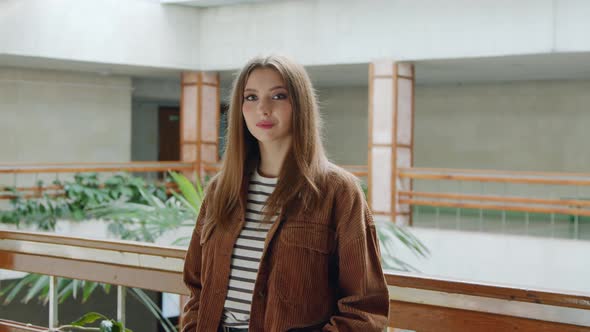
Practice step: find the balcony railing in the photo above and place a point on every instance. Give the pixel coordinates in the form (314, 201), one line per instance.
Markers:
(548, 197)
(417, 302)
(24, 177)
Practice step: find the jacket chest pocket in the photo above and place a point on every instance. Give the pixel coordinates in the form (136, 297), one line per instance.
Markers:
(315, 237)
(303, 263)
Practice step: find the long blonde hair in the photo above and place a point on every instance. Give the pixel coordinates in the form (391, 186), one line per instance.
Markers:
(305, 162)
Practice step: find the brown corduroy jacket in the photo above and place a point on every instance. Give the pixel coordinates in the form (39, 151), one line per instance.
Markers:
(320, 270)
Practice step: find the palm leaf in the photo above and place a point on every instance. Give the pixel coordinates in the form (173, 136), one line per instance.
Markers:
(13, 289)
(141, 296)
(192, 193)
(388, 233)
(89, 288)
(39, 284)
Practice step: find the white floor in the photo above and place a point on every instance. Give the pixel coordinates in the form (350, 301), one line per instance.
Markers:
(515, 260)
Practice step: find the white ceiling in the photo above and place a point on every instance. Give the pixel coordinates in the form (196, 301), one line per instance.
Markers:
(209, 3)
(570, 66)
(511, 68)
(17, 61)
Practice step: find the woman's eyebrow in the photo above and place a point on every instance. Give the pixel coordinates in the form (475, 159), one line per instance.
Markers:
(273, 88)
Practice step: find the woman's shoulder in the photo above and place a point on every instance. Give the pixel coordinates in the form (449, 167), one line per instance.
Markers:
(341, 180)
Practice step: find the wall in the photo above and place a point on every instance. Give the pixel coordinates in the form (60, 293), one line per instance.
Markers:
(144, 137)
(344, 112)
(148, 96)
(51, 116)
(146, 33)
(140, 32)
(145, 134)
(529, 125)
(536, 126)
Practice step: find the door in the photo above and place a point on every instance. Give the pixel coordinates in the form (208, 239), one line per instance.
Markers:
(169, 134)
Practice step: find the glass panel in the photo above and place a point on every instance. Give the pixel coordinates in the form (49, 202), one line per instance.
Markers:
(189, 113)
(189, 152)
(210, 111)
(404, 111)
(209, 153)
(189, 77)
(383, 68)
(381, 179)
(209, 77)
(382, 111)
(404, 69)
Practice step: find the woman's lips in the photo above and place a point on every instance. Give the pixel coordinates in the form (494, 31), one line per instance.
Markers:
(265, 124)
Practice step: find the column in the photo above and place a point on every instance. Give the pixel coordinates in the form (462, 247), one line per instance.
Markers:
(199, 119)
(391, 138)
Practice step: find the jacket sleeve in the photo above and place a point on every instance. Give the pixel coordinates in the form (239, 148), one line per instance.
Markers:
(192, 274)
(364, 301)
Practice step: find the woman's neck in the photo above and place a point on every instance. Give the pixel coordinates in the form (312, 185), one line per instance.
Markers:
(271, 158)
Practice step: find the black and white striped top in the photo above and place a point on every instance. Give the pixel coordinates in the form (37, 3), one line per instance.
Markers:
(247, 253)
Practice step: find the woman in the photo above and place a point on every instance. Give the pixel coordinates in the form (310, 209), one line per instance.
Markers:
(284, 240)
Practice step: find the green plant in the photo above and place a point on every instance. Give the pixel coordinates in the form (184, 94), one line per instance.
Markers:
(38, 286)
(105, 324)
(83, 194)
(147, 221)
(389, 233)
(42, 212)
(138, 212)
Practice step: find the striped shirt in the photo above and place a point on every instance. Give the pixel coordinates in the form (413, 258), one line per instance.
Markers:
(247, 253)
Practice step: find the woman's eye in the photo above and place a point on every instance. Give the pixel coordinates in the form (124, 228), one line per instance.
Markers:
(250, 98)
(280, 96)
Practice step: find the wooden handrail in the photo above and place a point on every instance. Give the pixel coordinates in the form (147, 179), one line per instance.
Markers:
(110, 263)
(495, 176)
(517, 208)
(136, 166)
(400, 279)
(105, 261)
(494, 172)
(426, 303)
(448, 285)
(89, 163)
(59, 188)
(96, 169)
(12, 326)
(492, 198)
(91, 243)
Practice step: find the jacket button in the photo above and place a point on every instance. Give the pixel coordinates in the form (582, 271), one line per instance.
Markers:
(260, 294)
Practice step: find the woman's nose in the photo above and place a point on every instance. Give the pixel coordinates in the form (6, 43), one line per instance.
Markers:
(264, 107)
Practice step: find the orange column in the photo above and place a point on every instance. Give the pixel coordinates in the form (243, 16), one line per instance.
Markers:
(391, 138)
(199, 125)
(199, 119)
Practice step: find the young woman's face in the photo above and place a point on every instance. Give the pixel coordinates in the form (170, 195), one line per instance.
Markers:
(267, 107)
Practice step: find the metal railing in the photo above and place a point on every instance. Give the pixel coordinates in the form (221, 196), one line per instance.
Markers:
(552, 195)
(419, 303)
(424, 303)
(14, 174)
(110, 262)
(25, 177)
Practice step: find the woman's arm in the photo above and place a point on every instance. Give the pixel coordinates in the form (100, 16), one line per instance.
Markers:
(364, 301)
(192, 274)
